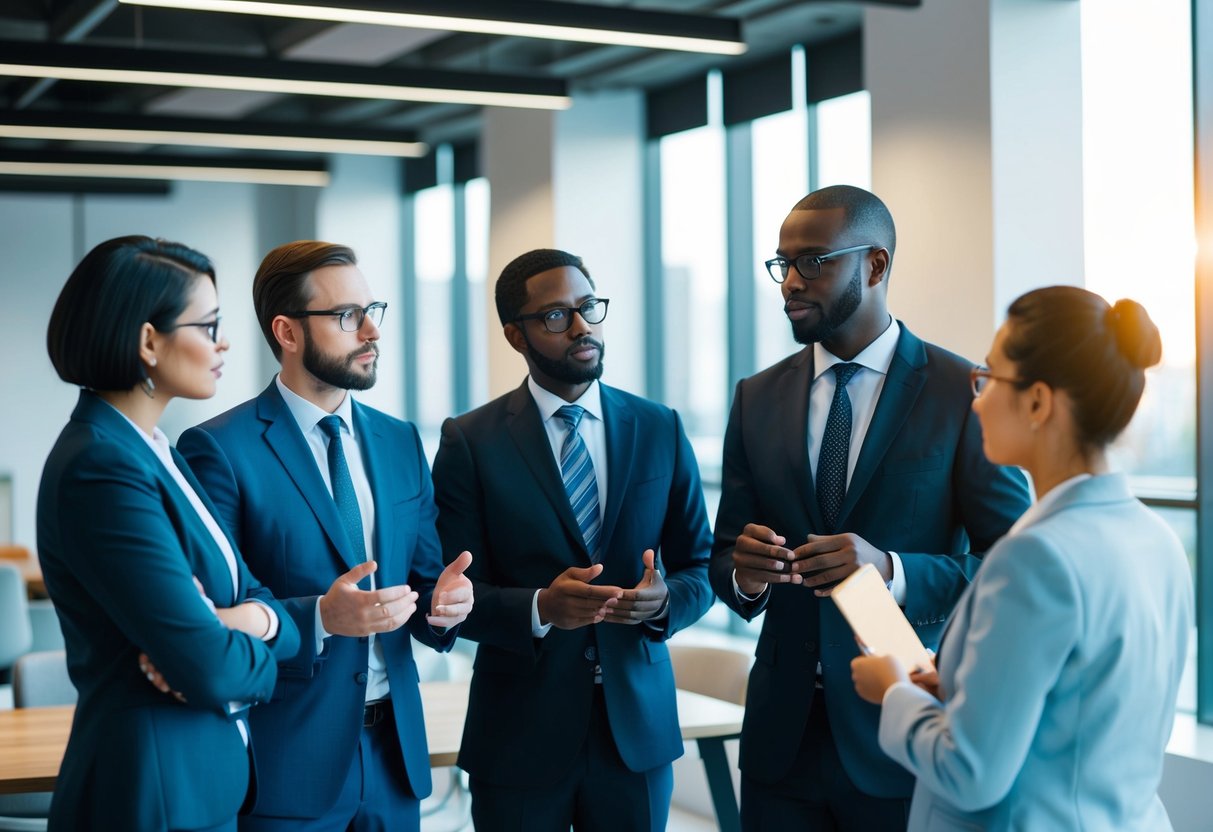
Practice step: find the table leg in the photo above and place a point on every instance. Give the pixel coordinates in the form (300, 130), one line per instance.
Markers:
(720, 783)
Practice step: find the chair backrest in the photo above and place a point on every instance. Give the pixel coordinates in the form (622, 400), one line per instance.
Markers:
(713, 671)
(11, 551)
(15, 634)
(41, 680)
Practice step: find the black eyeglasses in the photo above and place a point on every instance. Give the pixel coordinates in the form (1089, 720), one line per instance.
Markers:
(980, 378)
(349, 319)
(808, 265)
(560, 318)
(211, 328)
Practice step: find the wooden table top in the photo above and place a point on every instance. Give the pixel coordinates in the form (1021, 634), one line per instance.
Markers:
(32, 740)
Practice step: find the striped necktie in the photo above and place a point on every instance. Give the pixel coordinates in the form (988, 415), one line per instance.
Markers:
(580, 484)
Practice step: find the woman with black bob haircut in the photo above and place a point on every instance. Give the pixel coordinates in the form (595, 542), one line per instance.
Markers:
(168, 636)
(1058, 673)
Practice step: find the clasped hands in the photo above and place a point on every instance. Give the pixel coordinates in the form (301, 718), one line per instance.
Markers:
(571, 601)
(761, 558)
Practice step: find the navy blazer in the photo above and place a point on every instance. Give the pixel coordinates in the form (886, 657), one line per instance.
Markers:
(921, 487)
(120, 546)
(255, 463)
(500, 495)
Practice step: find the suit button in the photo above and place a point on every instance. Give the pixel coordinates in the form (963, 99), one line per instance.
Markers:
(360, 678)
(591, 655)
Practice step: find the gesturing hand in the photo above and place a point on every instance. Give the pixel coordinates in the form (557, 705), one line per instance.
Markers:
(760, 558)
(452, 600)
(828, 558)
(346, 610)
(645, 600)
(571, 601)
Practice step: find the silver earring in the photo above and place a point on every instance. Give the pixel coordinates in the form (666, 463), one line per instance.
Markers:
(149, 387)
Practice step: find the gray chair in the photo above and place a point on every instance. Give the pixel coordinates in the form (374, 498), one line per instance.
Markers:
(39, 680)
(712, 671)
(15, 634)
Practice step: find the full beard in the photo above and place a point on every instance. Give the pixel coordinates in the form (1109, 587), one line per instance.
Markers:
(565, 370)
(806, 332)
(340, 372)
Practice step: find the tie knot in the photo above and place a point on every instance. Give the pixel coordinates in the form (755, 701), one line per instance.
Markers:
(844, 372)
(571, 413)
(331, 425)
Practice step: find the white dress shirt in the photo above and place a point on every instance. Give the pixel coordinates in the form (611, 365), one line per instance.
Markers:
(592, 430)
(864, 391)
(308, 416)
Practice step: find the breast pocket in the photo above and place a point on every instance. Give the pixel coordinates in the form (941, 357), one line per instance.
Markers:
(915, 465)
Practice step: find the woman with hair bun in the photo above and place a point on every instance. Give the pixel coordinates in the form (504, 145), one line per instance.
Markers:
(1058, 673)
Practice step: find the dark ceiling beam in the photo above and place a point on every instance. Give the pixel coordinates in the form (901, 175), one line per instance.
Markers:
(70, 26)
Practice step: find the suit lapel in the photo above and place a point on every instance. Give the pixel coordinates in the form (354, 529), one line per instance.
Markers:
(901, 388)
(793, 404)
(527, 432)
(621, 446)
(287, 442)
(223, 580)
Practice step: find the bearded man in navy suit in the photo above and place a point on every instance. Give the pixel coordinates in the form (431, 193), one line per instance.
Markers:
(859, 449)
(584, 508)
(332, 504)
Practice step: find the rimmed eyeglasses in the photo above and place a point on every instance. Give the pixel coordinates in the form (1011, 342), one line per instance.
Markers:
(559, 318)
(980, 378)
(349, 318)
(808, 266)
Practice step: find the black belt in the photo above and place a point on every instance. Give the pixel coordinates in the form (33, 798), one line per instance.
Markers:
(376, 712)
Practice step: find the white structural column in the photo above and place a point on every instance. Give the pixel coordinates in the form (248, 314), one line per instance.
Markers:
(517, 157)
(977, 149)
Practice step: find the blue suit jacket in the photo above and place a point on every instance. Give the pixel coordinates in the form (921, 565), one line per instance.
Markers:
(1060, 671)
(257, 467)
(120, 545)
(921, 487)
(500, 495)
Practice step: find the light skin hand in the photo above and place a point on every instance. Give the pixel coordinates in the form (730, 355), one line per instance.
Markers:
(571, 601)
(153, 675)
(828, 558)
(874, 675)
(643, 601)
(346, 610)
(452, 599)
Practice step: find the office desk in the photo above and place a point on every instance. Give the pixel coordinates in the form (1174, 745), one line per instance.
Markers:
(33, 740)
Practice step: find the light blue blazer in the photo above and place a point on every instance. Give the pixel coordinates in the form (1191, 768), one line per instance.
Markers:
(1059, 671)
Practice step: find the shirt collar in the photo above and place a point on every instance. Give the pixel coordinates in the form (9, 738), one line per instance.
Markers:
(548, 402)
(308, 415)
(1038, 508)
(877, 355)
(158, 441)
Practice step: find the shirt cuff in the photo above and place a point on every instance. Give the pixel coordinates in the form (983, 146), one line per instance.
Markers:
(742, 596)
(894, 687)
(272, 632)
(538, 630)
(897, 586)
(321, 633)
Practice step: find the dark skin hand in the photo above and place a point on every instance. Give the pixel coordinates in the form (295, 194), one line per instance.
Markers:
(761, 558)
(571, 601)
(644, 601)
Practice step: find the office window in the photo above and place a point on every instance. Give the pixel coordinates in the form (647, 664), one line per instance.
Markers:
(479, 309)
(1140, 235)
(780, 179)
(844, 141)
(694, 273)
(434, 242)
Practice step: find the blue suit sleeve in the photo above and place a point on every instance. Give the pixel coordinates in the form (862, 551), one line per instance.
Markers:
(124, 547)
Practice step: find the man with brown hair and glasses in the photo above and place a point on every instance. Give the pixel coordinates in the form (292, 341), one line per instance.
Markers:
(332, 504)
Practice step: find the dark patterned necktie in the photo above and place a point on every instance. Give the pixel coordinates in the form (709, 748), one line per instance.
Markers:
(577, 471)
(835, 448)
(343, 487)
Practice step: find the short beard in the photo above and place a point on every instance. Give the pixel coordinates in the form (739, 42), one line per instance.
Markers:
(838, 314)
(564, 370)
(339, 372)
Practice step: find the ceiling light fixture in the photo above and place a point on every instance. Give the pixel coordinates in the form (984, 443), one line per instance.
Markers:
(523, 18)
(121, 166)
(76, 62)
(203, 133)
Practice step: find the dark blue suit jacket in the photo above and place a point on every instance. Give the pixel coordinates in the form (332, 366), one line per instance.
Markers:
(921, 487)
(500, 496)
(120, 545)
(257, 467)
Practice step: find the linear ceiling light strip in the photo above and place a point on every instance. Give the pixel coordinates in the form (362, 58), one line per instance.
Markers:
(479, 25)
(302, 144)
(256, 176)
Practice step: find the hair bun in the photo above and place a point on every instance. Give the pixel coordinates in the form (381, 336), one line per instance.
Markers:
(1136, 335)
